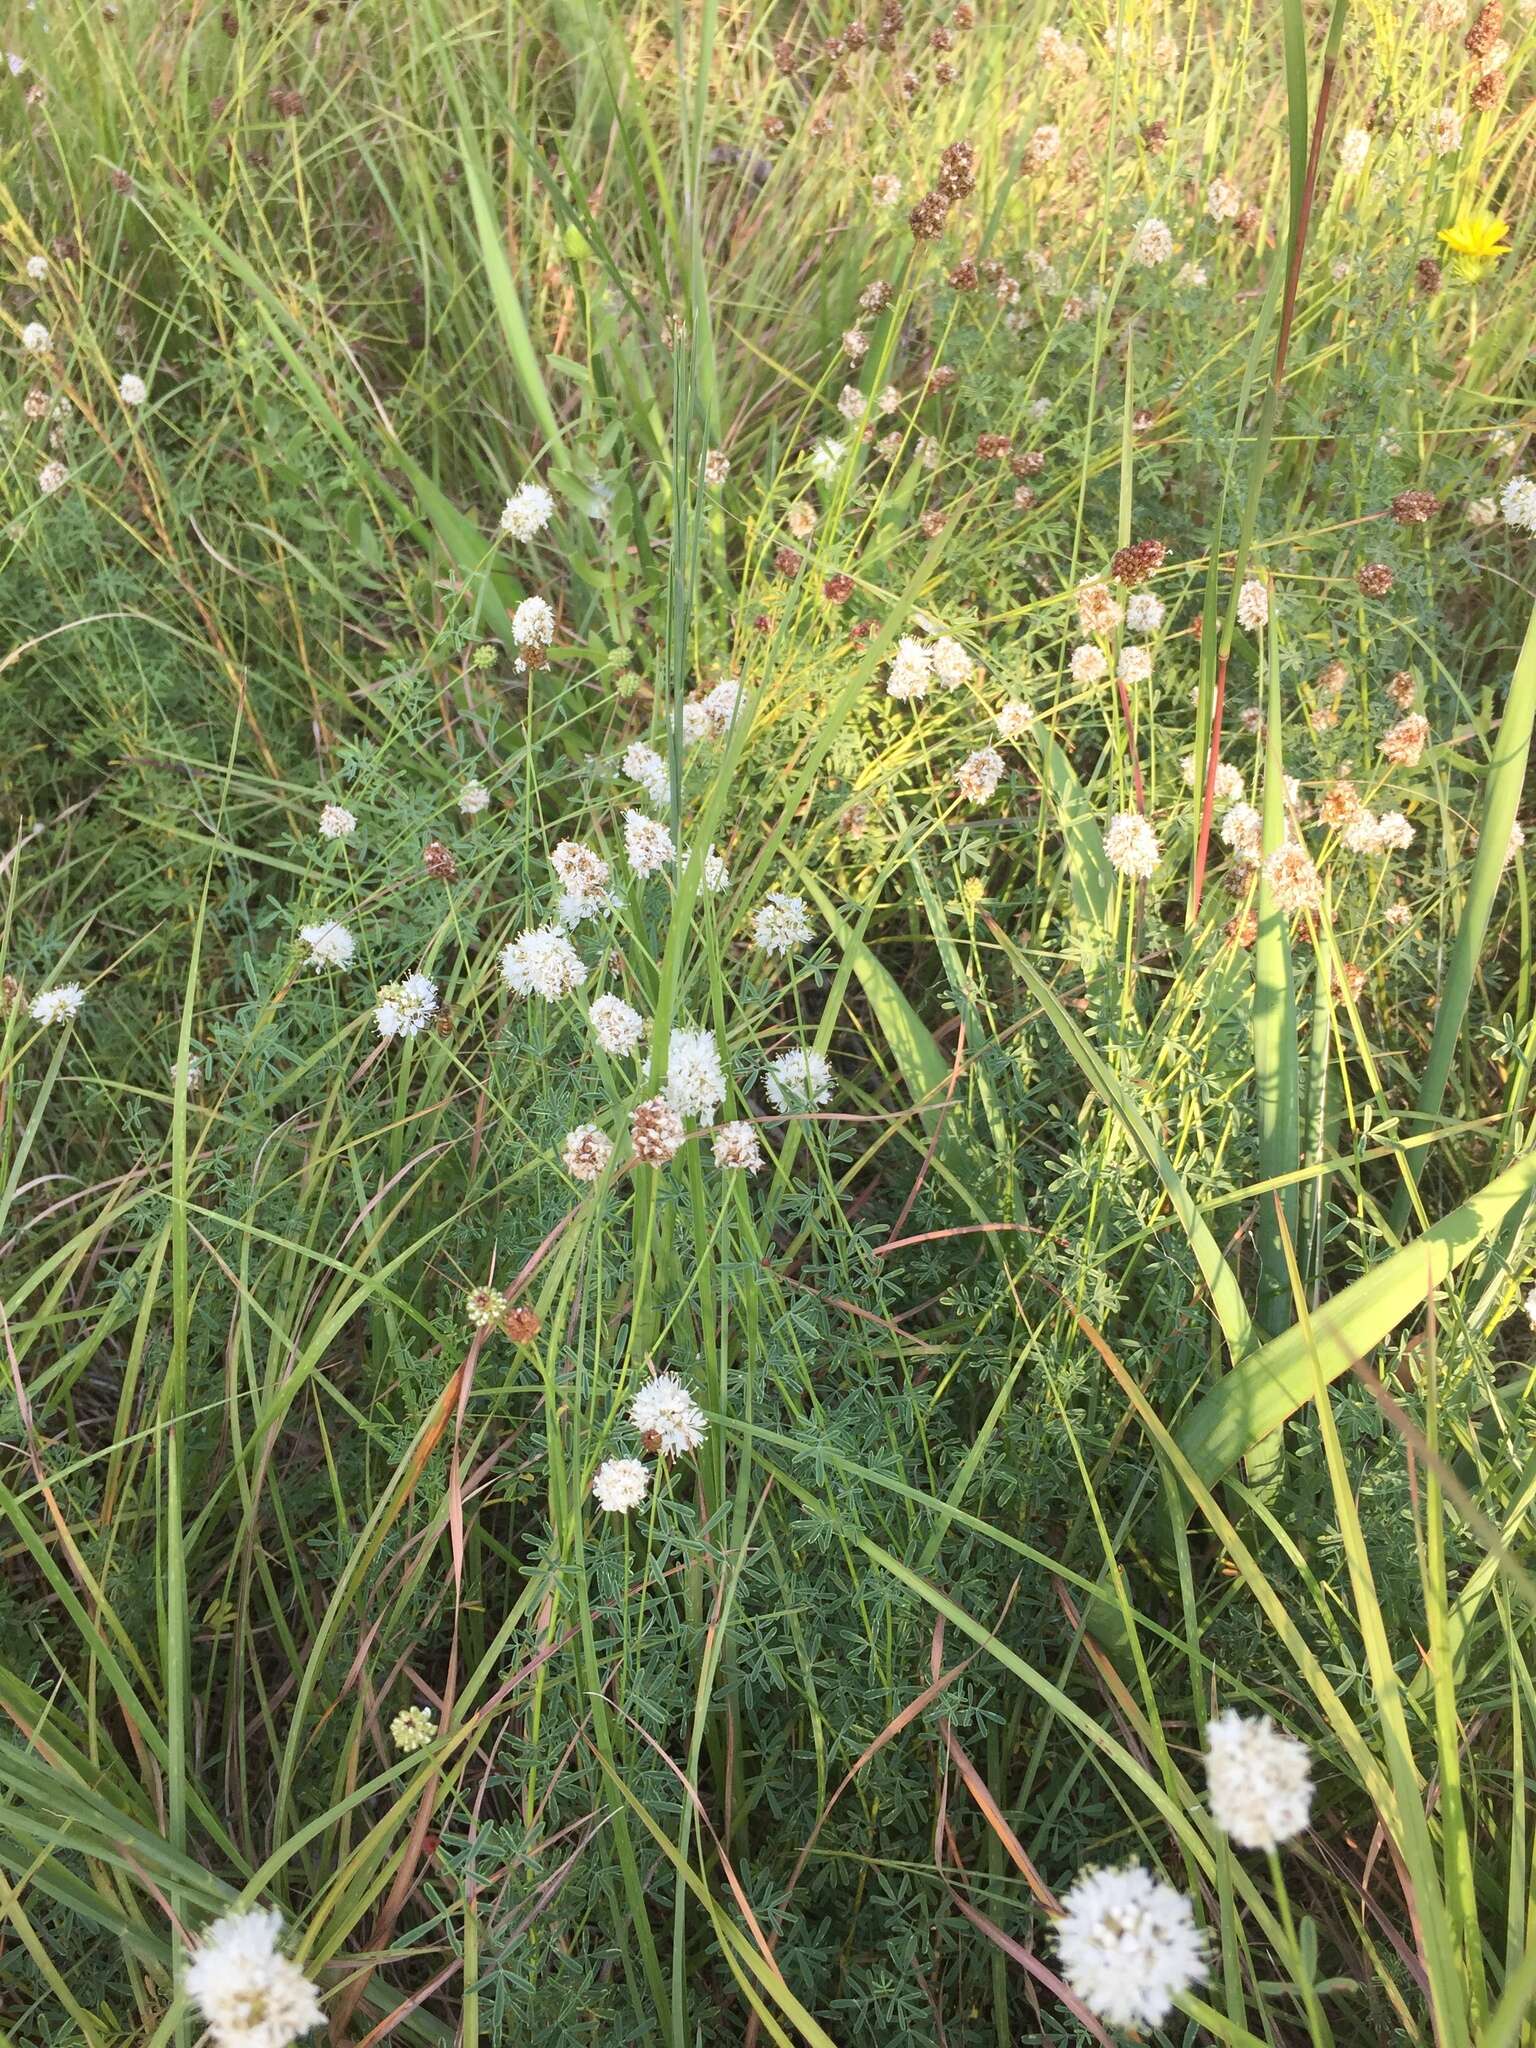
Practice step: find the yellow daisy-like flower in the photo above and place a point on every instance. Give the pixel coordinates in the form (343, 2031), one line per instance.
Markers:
(1476, 240)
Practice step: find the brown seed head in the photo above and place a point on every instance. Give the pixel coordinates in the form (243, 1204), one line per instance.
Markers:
(788, 561)
(1428, 276)
(957, 170)
(927, 218)
(964, 277)
(1488, 92)
(838, 588)
(1414, 508)
(1374, 579)
(993, 447)
(1484, 32)
(439, 862)
(1134, 564)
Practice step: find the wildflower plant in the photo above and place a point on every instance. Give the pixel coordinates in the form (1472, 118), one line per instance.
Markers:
(765, 1013)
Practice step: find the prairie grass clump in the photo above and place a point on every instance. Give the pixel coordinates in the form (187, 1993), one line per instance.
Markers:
(765, 1245)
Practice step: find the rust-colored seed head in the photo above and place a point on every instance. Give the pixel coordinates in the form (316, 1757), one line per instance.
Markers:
(1428, 276)
(1028, 462)
(875, 297)
(992, 447)
(289, 104)
(439, 862)
(1154, 135)
(784, 58)
(927, 218)
(1134, 564)
(833, 48)
(121, 182)
(957, 170)
(840, 79)
(933, 523)
(964, 16)
(1331, 678)
(856, 36)
(762, 623)
(1374, 579)
(854, 820)
(945, 73)
(656, 1131)
(774, 126)
(520, 1324)
(1243, 929)
(964, 277)
(1488, 91)
(1414, 508)
(892, 22)
(1352, 978)
(1484, 32)
(1247, 223)
(229, 21)
(941, 39)
(861, 629)
(1400, 688)
(789, 561)
(838, 588)
(943, 378)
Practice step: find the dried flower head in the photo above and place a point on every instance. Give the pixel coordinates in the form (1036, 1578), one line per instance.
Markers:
(1403, 744)
(585, 1152)
(1098, 610)
(717, 467)
(1414, 508)
(1293, 880)
(1253, 605)
(1374, 579)
(439, 862)
(736, 1149)
(979, 774)
(1152, 243)
(1134, 564)
(656, 1131)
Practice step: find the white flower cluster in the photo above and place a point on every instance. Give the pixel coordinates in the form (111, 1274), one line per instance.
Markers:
(404, 1009)
(670, 1424)
(249, 1994)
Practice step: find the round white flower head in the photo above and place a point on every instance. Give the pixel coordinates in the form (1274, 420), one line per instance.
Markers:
(979, 774)
(1223, 199)
(801, 516)
(527, 512)
(1144, 611)
(1394, 834)
(695, 1081)
(474, 798)
(404, 1009)
(951, 664)
(826, 459)
(542, 962)
(1128, 1945)
(533, 623)
(132, 390)
(1258, 1781)
(717, 875)
(581, 869)
(695, 723)
(585, 1152)
(1134, 665)
(1253, 605)
(330, 944)
(724, 704)
(736, 1149)
(59, 1005)
(644, 765)
(1152, 243)
(1293, 880)
(1192, 277)
(53, 476)
(619, 1485)
(851, 401)
(337, 822)
(412, 1728)
(617, 1028)
(884, 188)
(37, 268)
(782, 923)
(1242, 830)
(668, 1417)
(1442, 131)
(1131, 847)
(1015, 719)
(1485, 511)
(1229, 780)
(798, 1079)
(1517, 502)
(648, 844)
(1354, 148)
(1098, 609)
(35, 337)
(717, 467)
(911, 669)
(248, 1992)
(1089, 664)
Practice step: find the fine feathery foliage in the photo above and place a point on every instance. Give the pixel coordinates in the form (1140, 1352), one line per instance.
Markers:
(768, 1204)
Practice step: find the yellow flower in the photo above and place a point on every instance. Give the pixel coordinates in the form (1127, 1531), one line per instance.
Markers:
(1476, 241)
